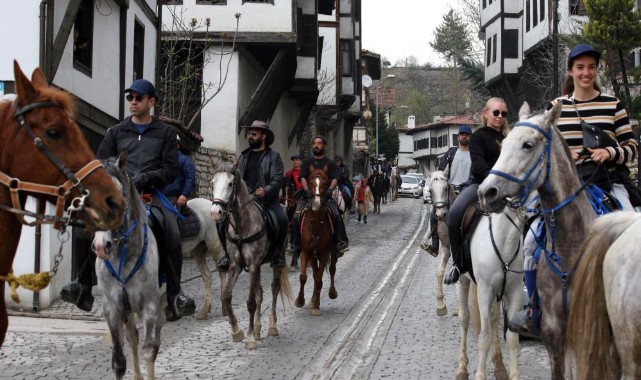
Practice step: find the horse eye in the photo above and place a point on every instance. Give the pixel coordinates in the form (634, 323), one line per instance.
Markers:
(53, 134)
(528, 145)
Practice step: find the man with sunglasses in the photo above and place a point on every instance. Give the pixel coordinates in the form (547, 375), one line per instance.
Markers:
(152, 163)
(262, 170)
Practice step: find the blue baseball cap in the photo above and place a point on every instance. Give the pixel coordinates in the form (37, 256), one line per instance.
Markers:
(142, 87)
(582, 49)
(465, 129)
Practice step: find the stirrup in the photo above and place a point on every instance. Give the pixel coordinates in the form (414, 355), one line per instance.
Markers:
(526, 323)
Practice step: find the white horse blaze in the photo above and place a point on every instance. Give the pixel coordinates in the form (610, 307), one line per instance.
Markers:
(216, 212)
(317, 201)
(99, 245)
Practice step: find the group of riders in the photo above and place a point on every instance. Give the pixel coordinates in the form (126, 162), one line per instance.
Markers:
(604, 165)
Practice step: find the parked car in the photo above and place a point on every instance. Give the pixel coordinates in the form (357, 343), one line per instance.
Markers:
(410, 186)
(420, 176)
(427, 196)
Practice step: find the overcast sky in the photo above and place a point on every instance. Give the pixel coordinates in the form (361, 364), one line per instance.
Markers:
(400, 28)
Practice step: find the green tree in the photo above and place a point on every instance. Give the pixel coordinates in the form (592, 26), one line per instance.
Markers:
(452, 39)
(615, 26)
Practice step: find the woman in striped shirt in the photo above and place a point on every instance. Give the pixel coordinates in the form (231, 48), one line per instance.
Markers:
(583, 100)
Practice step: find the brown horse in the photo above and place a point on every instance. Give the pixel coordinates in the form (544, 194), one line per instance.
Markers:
(44, 154)
(317, 246)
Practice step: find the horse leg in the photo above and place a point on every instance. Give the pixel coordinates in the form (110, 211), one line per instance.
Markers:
(230, 280)
(441, 307)
(273, 318)
(4, 319)
(258, 314)
(332, 271)
(152, 320)
(317, 271)
(118, 359)
(464, 320)
(131, 333)
(254, 287)
(484, 297)
(201, 263)
(300, 300)
(515, 303)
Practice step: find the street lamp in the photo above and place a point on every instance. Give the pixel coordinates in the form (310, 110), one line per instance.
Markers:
(378, 89)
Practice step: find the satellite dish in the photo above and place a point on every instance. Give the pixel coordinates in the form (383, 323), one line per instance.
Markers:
(367, 81)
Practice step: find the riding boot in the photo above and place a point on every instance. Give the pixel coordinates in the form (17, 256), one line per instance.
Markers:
(78, 292)
(223, 263)
(296, 234)
(365, 219)
(457, 256)
(341, 235)
(527, 321)
(433, 246)
(359, 218)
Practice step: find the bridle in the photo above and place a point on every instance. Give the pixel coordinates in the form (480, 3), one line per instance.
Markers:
(62, 217)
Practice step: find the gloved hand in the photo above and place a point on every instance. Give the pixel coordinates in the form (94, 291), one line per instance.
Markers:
(328, 195)
(140, 180)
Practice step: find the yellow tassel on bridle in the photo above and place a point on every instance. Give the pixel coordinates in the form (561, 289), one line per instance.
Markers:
(31, 281)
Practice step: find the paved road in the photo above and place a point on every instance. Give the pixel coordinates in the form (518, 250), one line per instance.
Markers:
(383, 324)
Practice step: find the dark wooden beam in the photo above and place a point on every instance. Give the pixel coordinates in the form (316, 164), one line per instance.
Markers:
(247, 38)
(299, 127)
(63, 36)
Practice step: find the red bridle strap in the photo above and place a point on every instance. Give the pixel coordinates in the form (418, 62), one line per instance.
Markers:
(61, 192)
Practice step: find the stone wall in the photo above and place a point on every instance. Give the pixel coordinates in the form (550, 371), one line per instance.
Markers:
(207, 161)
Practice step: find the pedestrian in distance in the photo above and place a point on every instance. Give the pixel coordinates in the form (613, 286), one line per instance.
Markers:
(364, 198)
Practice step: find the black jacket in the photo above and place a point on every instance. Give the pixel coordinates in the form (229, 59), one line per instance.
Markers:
(152, 156)
(270, 176)
(485, 148)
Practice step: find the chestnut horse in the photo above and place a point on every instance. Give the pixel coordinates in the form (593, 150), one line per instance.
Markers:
(44, 154)
(316, 242)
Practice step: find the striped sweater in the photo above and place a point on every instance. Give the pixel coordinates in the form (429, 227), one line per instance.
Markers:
(605, 112)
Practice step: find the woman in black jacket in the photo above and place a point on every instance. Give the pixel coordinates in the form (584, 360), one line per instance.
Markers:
(485, 147)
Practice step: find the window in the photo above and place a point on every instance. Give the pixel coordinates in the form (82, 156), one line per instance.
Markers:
(210, 2)
(494, 48)
(488, 51)
(259, 1)
(484, 4)
(542, 10)
(527, 15)
(455, 139)
(510, 43)
(433, 142)
(346, 57)
(535, 13)
(83, 37)
(139, 50)
(577, 8)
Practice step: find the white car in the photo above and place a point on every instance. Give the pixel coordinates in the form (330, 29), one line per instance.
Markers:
(421, 177)
(410, 186)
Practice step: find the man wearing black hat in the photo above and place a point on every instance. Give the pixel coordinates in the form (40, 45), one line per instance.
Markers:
(153, 163)
(262, 170)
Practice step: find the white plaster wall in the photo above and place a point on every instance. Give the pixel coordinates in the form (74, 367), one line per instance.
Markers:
(254, 17)
(346, 26)
(538, 33)
(23, 46)
(281, 123)
(494, 69)
(512, 65)
(306, 68)
(220, 116)
(329, 64)
(490, 10)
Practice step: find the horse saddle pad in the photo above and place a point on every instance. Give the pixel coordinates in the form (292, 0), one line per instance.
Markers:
(470, 221)
(190, 226)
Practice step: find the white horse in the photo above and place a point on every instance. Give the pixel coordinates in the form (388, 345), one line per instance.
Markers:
(205, 243)
(603, 325)
(497, 262)
(441, 197)
(394, 183)
(128, 279)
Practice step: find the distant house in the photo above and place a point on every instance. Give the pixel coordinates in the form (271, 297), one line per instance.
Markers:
(433, 140)
(94, 50)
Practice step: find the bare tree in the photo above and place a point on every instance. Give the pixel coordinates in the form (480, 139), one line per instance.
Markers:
(185, 51)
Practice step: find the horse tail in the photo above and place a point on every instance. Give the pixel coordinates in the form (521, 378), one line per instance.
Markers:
(285, 286)
(589, 336)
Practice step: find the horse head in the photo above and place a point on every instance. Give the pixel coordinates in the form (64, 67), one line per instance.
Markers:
(318, 187)
(226, 188)
(47, 151)
(105, 242)
(440, 194)
(525, 161)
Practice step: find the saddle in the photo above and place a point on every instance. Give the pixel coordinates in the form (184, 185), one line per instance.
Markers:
(470, 221)
(190, 226)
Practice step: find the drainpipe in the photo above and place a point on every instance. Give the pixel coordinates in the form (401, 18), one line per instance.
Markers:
(37, 251)
(43, 33)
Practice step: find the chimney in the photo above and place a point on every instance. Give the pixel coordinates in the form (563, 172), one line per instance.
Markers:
(411, 121)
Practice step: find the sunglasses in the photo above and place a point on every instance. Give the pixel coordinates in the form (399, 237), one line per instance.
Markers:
(253, 133)
(138, 97)
(496, 113)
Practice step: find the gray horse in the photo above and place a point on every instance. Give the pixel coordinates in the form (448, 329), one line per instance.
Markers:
(128, 278)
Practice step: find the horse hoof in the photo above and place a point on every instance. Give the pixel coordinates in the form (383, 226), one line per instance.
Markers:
(238, 337)
(202, 314)
(251, 345)
(462, 376)
(310, 305)
(455, 312)
(300, 302)
(316, 312)
(333, 294)
(441, 311)
(272, 331)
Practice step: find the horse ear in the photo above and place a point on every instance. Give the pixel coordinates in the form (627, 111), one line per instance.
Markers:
(122, 160)
(38, 79)
(553, 115)
(24, 89)
(525, 111)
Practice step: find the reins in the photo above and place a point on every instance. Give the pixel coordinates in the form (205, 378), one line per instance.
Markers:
(505, 266)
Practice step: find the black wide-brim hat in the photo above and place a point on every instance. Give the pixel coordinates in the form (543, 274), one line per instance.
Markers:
(262, 126)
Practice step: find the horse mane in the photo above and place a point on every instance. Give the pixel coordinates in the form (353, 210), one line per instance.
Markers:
(129, 190)
(242, 192)
(45, 94)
